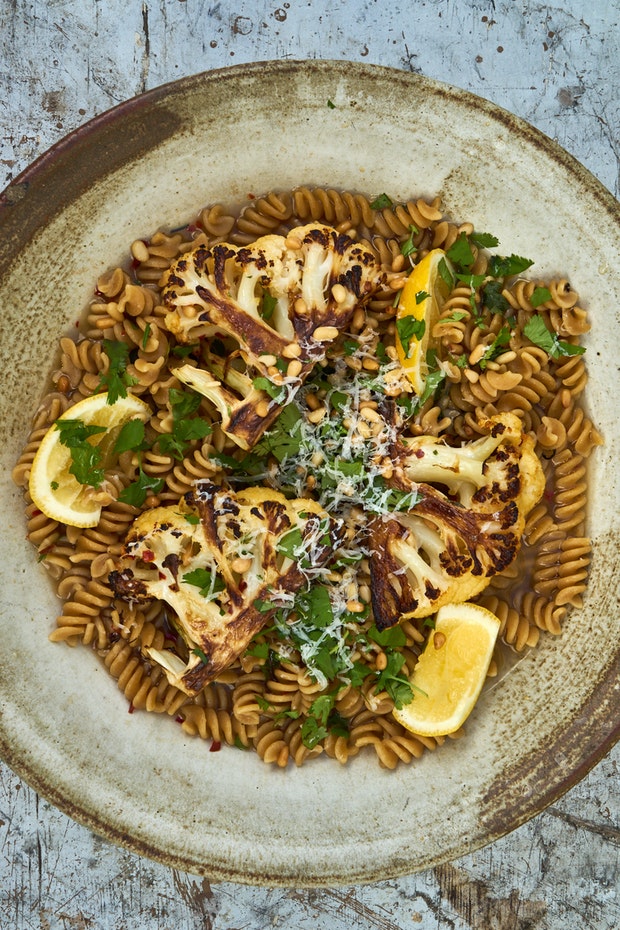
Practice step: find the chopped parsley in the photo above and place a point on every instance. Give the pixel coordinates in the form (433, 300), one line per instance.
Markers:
(460, 252)
(209, 583)
(86, 458)
(537, 332)
(507, 267)
(137, 492)
(408, 328)
(185, 427)
(540, 295)
(116, 379)
(381, 202)
(408, 247)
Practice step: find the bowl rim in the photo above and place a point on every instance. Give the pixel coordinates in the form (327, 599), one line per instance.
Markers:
(48, 160)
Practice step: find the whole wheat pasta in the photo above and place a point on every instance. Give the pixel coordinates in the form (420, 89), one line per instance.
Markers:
(272, 699)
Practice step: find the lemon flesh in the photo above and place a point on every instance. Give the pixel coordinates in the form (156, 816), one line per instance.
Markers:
(451, 671)
(53, 489)
(421, 299)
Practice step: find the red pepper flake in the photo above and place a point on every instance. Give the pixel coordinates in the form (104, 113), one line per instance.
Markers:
(148, 555)
(179, 719)
(130, 709)
(215, 746)
(419, 453)
(36, 513)
(243, 585)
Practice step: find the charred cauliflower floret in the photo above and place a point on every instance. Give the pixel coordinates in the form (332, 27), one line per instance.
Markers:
(223, 562)
(447, 549)
(280, 300)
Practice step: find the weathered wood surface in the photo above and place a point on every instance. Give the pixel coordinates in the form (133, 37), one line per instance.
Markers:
(557, 66)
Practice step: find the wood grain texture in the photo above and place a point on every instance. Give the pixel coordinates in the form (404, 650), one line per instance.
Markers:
(557, 66)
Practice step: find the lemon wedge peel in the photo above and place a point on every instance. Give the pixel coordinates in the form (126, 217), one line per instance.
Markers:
(421, 300)
(451, 671)
(54, 490)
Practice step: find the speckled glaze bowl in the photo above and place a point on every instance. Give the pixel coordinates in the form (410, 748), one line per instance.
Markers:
(152, 162)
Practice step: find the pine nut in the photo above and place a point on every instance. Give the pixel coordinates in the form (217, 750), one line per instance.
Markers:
(139, 251)
(381, 661)
(240, 565)
(294, 368)
(370, 364)
(262, 408)
(355, 607)
(325, 333)
(267, 359)
(301, 307)
(292, 350)
(312, 401)
(438, 640)
(339, 293)
(317, 415)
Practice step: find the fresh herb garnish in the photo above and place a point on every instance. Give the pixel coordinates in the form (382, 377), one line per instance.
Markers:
(445, 274)
(116, 379)
(508, 266)
(460, 252)
(408, 247)
(540, 295)
(130, 438)
(381, 202)
(136, 493)
(484, 240)
(496, 347)
(267, 306)
(86, 458)
(185, 427)
(537, 332)
(208, 583)
(276, 391)
(493, 299)
(146, 334)
(393, 681)
(408, 328)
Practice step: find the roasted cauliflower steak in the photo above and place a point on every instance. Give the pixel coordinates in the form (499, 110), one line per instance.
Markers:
(224, 562)
(281, 299)
(460, 534)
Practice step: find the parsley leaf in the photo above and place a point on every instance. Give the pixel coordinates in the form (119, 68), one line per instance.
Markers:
(408, 328)
(394, 636)
(537, 332)
(208, 583)
(185, 428)
(136, 493)
(506, 267)
(284, 437)
(130, 438)
(394, 682)
(312, 732)
(381, 202)
(276, 391)
(445, 274)
(146, 335)
(85, 457)
(116, 380)
(484, 240)
(407, 247)
(460, 252)
(502, 339)
(540, 295)
(267, 306)
(493, 299)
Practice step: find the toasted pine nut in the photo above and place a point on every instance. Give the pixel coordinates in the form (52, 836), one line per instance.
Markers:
(325, 333)
(355, 607)
(294, 368)
(267, 359)
(370, 364)
(292, 350)
(476, 354)
(240, 565)
(262, 408)
(438, 640)
(317, 415)
(312, 401)
(301, 306)
(140, 251)
(381, 661)
(339, 293)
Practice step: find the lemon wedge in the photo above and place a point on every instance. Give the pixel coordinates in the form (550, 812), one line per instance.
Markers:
(420, 304)
(451, 671)
(54, 490)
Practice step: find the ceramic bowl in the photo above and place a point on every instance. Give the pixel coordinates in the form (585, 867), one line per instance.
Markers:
(152, 162)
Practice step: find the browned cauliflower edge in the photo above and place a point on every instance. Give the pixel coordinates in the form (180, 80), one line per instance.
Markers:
(280, 301)
(448, 548)
(223, 562)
